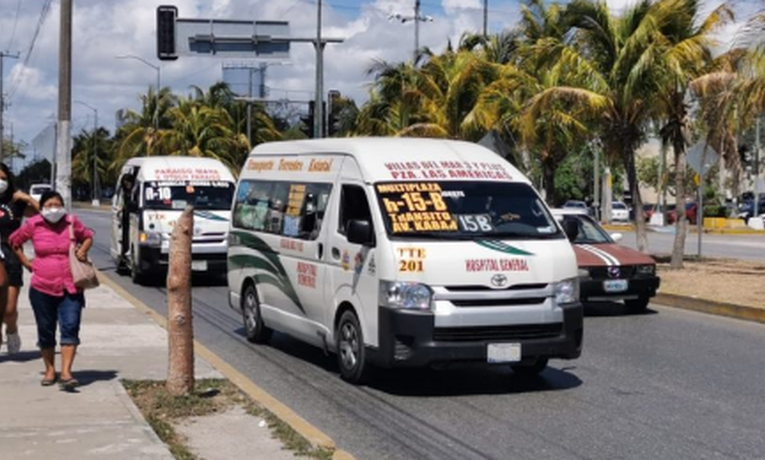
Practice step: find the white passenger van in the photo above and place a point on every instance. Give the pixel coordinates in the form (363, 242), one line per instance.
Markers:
(149, 197)
(401, 252)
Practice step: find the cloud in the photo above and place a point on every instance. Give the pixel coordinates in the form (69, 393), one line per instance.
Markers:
(104, 30)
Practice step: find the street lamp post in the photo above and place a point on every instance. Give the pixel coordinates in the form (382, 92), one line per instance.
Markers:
(159, 75)
(94, 196)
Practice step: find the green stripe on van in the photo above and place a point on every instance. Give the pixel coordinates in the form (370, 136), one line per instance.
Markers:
(499, 246)
(267, 261)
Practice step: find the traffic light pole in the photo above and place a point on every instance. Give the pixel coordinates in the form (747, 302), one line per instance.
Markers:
(318, 121)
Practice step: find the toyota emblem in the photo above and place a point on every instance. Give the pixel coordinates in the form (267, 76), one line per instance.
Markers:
(499, 280)
(614, 272)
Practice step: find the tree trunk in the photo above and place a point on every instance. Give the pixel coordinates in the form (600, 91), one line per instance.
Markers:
(180, 374)
(681, 225)
(548, 174)
(637, 200)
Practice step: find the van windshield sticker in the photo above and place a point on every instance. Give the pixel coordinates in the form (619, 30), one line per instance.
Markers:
(416, 207)
(418, 170)
(296, 197)
(464, 210)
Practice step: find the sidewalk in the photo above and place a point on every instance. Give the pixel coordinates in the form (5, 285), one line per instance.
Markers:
(99, 420)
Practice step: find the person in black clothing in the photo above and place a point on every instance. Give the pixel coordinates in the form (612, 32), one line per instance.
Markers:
(127, 184)
(14, 205)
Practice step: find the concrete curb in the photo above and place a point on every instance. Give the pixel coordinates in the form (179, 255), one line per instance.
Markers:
(711, 307)
(314, 435)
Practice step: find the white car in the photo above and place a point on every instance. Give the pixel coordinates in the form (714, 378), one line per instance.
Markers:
(36, 190)
(620, 212)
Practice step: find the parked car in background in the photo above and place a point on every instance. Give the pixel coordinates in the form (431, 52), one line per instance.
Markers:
(607, 270)
(746, 208)
(620, 212)
(577, 205)
(36, 190)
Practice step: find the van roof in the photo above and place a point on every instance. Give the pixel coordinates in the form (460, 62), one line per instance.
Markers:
(180, 168)
(398, 158)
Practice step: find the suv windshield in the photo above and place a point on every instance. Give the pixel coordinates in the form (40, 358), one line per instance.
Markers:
(464, 210)
(209, 195)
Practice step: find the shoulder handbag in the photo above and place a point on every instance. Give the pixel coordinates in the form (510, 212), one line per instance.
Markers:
(83, 273)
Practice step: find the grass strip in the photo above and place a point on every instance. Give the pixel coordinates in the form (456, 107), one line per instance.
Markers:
(163, 411)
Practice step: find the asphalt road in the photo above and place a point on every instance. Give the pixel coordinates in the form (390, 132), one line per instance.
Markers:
(668, 384)
(749, 247)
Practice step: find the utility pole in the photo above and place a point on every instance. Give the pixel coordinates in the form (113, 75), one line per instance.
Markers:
(417, 18)
(64, 138)
(596, 182)
(3, 55)
(756, 169)
(318, 121)
(485, 18)
(416, 30)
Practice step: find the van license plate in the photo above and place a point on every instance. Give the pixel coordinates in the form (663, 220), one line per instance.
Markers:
(199, 265)
(615, 285)
(503, 353)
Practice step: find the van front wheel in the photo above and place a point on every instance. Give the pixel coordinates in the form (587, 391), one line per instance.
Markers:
(254, 329)
(351, 355)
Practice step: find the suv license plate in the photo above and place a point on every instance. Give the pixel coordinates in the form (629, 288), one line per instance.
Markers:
(615, 285)
(199, 265)
(503, 353)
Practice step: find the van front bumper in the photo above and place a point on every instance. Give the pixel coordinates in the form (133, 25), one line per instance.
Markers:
(154, 260)
(410, 339)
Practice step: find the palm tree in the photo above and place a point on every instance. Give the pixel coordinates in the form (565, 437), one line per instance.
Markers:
(142, 133)
(203, 131)
(684, 42)
(85, 145)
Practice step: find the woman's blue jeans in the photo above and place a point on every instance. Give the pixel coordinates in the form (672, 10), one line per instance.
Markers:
(66, 310)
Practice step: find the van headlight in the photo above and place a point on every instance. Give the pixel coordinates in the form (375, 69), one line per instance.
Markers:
(567, 291)
(150, 238)
(407, 296)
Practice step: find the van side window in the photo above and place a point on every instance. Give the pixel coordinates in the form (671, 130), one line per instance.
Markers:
(353, 206)
(294, 210)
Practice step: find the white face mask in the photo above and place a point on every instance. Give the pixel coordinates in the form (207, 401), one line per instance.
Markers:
(53, 215)
(3, 186)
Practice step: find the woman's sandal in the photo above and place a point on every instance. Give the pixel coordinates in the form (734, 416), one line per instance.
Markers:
(69, 384)
(48, 382)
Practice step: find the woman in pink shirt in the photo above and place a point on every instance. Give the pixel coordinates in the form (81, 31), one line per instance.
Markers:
(52, 293)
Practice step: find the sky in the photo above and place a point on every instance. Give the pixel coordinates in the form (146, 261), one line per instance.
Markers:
(105, 29)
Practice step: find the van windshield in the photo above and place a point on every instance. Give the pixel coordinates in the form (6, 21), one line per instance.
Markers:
(209, 195)
(464, 210)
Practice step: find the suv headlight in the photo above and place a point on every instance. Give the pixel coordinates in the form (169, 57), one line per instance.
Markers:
(408, 296)
(567, 291)
(646, 269)
(150, 238)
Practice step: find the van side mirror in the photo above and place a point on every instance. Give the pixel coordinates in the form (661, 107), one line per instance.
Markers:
(570, 228)
(360, 232)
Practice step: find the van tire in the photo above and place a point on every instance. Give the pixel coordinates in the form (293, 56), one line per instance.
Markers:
(351, 354)
(530, 369)
(254, 328)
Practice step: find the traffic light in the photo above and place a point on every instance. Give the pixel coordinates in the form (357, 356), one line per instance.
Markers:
(166, 16)
(307, 120)
(333, 114)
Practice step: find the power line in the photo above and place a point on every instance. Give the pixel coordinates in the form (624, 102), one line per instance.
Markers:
(15, 23)
(19, 76)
